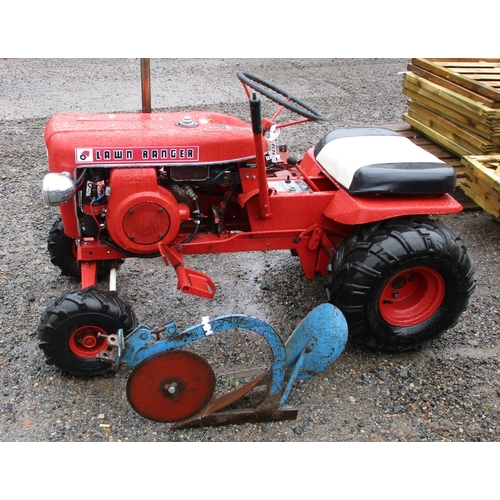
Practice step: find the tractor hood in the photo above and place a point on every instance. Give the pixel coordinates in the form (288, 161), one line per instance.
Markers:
(135, 139)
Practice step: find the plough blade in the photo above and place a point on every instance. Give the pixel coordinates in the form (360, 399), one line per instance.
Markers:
(313, 347)
(321, 337)
(240, 416)
(211, 414)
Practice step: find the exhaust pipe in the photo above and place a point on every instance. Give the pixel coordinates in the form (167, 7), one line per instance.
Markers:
(146, 85)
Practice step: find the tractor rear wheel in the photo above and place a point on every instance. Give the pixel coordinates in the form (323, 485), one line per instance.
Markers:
(401, 283)
(74, 327)
(62, 251)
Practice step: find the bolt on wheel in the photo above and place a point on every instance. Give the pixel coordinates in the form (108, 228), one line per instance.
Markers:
(73, 329)
(87, 341)
(412, 296)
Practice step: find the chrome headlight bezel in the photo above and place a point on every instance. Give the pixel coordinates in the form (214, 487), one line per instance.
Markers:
(57, 188)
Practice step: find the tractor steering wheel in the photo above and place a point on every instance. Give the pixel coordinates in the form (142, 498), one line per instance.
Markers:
(280, 96)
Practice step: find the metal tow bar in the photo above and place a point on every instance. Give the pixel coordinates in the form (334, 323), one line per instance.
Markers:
(176, 386)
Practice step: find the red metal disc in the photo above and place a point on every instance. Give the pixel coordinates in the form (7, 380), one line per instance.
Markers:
(412, 296)
(86, 341)
(146, 223)
(171, 386)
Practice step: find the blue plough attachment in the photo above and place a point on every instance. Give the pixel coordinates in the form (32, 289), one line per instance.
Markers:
(169, 384)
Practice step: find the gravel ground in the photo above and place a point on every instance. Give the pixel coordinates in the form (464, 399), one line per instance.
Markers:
(447, 392)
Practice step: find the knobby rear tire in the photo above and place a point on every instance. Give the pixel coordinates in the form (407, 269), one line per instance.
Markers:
(378, 261)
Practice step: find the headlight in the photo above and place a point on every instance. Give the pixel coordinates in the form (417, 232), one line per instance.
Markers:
(57, 188)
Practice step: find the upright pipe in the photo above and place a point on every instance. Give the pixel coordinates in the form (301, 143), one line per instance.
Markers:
(146, 85)
(112, 279)
(255, 114)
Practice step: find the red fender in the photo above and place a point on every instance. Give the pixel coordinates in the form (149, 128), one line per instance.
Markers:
(353, 210)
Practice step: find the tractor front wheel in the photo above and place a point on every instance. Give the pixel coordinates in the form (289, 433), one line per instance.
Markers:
(401, 283)
(62, 251)
(74, 327)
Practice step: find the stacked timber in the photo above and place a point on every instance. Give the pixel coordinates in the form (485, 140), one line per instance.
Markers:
(482, 182)
(456, 103)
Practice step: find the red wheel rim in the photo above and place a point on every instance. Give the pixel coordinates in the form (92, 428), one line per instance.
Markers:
(412, 296)
(171, 386)
(86, 342)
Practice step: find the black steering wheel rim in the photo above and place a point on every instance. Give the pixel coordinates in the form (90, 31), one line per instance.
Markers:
(281, 97)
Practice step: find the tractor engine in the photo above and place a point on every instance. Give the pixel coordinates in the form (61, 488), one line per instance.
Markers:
(141, 213)
(130, 179)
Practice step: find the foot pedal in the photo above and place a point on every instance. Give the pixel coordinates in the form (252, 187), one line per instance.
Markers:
(188, 280)
(195, 283)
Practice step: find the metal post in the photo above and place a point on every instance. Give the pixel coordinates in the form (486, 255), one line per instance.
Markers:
(255, 113)
(146, 85)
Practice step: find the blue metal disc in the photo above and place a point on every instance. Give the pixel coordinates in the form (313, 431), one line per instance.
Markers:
(317, 342)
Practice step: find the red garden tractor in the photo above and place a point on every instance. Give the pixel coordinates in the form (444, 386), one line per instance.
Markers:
(356, 209)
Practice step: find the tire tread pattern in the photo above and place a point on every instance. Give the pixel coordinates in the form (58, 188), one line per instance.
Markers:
(73, 309)
(365, 261)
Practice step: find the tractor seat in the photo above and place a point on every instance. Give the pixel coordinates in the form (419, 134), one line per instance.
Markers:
(372, 161)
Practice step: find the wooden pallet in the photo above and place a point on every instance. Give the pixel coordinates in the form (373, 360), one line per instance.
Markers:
(477, 79)
(471, 107)
(482, 182)
(484, 128)
(456, 102)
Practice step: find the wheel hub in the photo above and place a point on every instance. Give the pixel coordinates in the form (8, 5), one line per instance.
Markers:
(412, 296)
(87, 341)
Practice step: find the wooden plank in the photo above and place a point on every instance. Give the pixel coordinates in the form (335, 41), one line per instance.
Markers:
(482, 182)
(420, 94)
(478, 196)
(458, 136)
(470, 62)
(481, 194)
(435, 136)
(484, 167)
(459, 89)
(485, 77)
(453, 99)
(479, 73)
(450, 70)
(478, 125)
(438, 125)
(448, 128)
